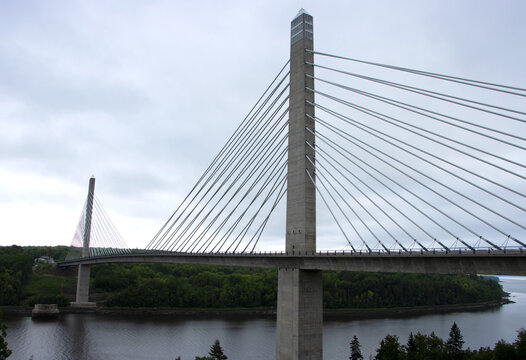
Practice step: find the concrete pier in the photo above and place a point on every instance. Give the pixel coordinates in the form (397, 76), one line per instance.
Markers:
(300, 316)
(45, 311)
(83, 277)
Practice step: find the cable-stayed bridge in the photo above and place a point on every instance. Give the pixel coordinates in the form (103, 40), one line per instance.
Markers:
(364, 166)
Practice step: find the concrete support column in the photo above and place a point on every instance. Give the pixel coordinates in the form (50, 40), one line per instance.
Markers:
(300, 315)
(300, 292)
(83, 276)
(83, 285)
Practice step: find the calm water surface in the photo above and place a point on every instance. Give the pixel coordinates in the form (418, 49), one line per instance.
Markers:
(99, 337)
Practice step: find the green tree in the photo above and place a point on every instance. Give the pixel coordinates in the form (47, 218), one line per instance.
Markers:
(390, 349)
(412, 352)
(4, 351)
(356, 353)
(484, 353)
(429, 347)
(454, 343)
(504, 351)
(520, 343)
(216, 351)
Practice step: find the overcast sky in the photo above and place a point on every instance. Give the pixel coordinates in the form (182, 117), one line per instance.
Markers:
(143, 94)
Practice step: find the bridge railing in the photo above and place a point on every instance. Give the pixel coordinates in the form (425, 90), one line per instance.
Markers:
(321, 253)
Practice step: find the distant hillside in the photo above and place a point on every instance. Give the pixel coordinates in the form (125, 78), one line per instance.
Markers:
(172, 285)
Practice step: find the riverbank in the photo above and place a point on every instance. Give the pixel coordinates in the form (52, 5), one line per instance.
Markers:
(269, 312)
(404, 312)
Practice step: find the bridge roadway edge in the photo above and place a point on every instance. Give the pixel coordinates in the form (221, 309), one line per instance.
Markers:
(495, 263)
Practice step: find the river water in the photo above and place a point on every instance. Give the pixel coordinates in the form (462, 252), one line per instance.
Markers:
(99, 337)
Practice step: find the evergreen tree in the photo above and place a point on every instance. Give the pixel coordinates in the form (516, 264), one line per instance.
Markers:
(455, 342)
(390, 349)
(520, 343)
(216, 351)
(4, 351)
(411, 347)
(356, 353)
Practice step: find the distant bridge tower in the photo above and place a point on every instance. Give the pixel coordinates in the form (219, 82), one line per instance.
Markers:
(82, 299)
(300, 292)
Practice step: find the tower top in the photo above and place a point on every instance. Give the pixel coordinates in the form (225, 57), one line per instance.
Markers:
(301, 27)
(301, 12)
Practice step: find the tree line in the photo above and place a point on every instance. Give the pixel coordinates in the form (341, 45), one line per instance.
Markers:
(15, 269)
(431, 347)
(344, 289)
(173, 285)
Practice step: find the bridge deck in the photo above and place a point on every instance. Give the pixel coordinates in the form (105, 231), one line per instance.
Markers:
(480, 262)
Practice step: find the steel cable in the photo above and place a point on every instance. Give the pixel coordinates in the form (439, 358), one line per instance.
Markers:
(239, 152)
(427, 187)
(410, 107)
(232, 140)
(354, 198)
(433, 94)
(456, 79)
(384, 118)
(246, 158)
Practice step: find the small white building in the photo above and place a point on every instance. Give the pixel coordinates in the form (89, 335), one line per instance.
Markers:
(46, 259)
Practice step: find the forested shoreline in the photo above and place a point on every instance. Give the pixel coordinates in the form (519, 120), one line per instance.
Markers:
(24, 282)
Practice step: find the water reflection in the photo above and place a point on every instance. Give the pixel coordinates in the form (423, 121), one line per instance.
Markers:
(75, 340)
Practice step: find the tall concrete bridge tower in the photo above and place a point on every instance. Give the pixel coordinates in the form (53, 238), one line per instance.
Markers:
(83, 278)
(300, 292)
